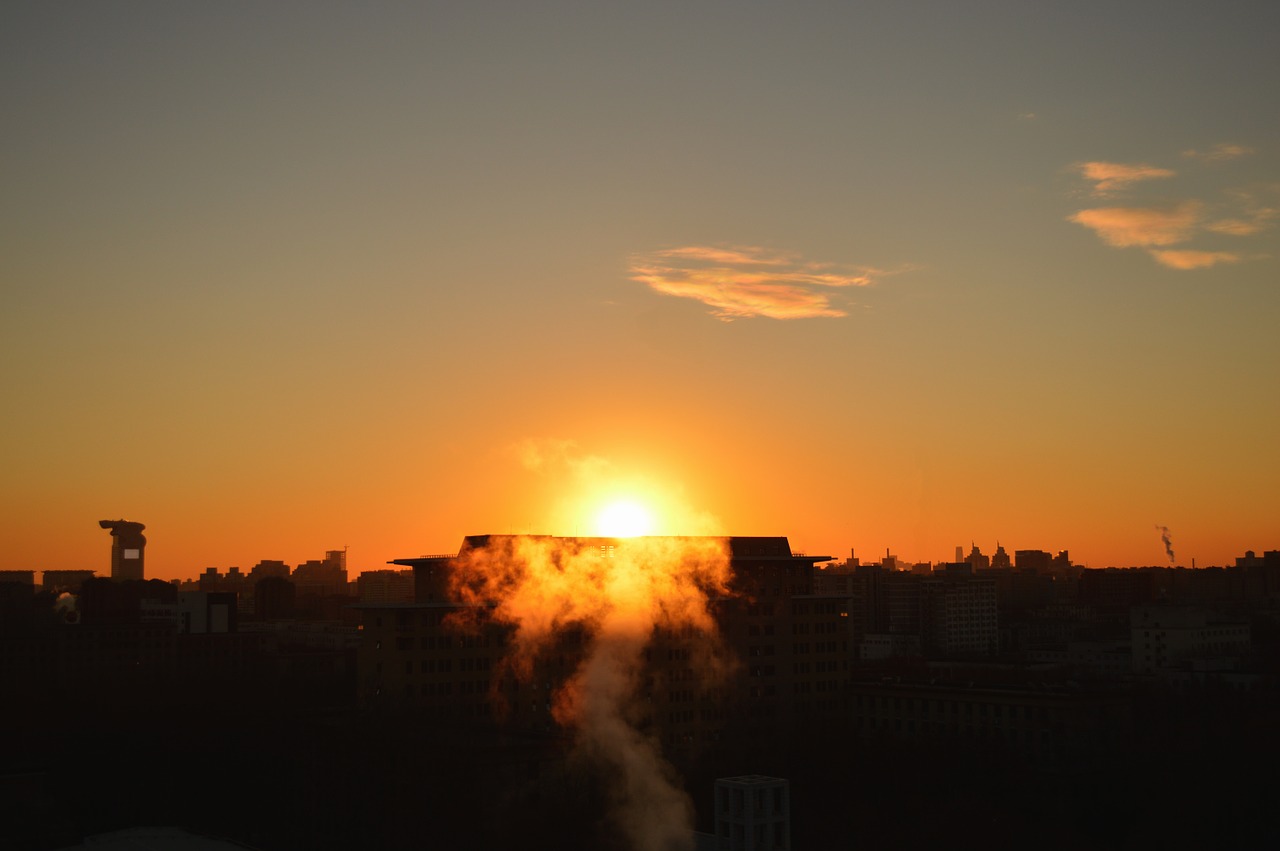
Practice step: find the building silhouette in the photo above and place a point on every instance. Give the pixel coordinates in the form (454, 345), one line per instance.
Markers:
(385, 586)
(325, 577)
(127, 546)
(20, 577)
(58, 581)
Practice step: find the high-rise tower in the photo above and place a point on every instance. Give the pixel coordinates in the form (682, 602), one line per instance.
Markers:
(127, 544)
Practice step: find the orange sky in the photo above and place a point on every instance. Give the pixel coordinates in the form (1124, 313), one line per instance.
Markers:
(284, 280)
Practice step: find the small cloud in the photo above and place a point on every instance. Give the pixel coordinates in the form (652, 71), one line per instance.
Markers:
(1112, 177)
(748, 281)
(1192, 259)
(1144, 226)
(1220, 152)
(1234, 227)
(1026, 116)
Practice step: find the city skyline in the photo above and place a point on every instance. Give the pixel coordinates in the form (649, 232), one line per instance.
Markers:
(996, 556)
(292, 279)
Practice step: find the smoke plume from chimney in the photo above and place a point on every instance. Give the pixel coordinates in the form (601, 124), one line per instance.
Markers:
(1168, 541)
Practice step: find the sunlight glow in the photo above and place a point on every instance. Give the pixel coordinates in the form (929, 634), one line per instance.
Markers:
(623, 519)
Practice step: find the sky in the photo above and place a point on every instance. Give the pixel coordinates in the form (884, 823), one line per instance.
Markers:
(291, 277)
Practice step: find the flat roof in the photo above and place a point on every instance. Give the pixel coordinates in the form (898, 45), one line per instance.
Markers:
(742, 547)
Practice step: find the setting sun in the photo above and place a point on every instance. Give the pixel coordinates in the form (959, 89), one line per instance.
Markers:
(624, 519)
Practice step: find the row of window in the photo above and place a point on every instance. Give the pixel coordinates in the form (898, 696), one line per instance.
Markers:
(818, 686)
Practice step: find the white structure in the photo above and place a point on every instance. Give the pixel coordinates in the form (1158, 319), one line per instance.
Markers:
(753, 813)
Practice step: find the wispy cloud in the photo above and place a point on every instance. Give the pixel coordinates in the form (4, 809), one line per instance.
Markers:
(1144, 226)
(556, 456)
(1235, 227)
(1254, 211)
(1220, 152)
(731, 256)
(1176, 259)
(1109, 178)
(742, 282)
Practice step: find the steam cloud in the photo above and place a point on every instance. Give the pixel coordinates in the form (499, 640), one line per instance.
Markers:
(1168, 541)
(616, 592)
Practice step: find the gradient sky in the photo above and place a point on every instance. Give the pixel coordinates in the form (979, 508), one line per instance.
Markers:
(287, 277)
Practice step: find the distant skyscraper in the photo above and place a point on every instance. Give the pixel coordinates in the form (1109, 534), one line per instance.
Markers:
(977, 560)
(1001, 558)
(127, 544)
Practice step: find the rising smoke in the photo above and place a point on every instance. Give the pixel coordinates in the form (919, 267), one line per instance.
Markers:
(616, 592)
(1168, 541)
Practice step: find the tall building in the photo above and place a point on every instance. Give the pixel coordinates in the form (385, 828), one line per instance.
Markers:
(977, 559)
(127, 545)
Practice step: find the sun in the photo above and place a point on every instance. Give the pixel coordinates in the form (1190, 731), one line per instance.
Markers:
(623, 518)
